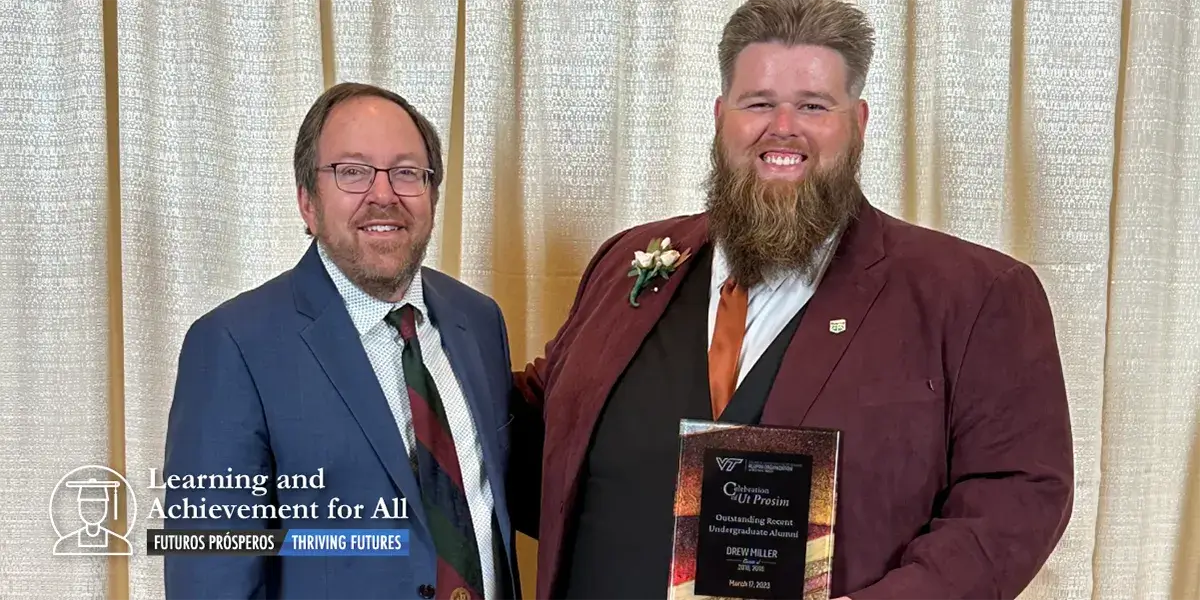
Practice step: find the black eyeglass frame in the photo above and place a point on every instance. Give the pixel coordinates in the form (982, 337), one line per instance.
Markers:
(370, 181)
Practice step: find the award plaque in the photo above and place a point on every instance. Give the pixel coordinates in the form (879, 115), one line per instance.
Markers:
(754, 512)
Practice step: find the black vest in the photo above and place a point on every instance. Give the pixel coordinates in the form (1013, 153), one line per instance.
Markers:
(619, 538)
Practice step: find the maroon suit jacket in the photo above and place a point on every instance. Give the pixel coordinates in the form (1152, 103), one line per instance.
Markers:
(957, 474)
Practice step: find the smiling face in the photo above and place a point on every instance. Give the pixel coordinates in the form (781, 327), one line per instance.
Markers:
(788, 111)
(785, 159)
(376, 237)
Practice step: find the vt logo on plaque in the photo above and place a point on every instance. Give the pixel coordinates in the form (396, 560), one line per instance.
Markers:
(727, 464)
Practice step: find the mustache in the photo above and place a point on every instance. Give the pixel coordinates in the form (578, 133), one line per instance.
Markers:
(795, 146)
(393, 212)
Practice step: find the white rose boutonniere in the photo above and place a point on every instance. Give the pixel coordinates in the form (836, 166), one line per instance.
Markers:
(658, 260)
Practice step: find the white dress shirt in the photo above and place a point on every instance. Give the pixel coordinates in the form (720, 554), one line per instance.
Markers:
(772, 304)
(383, 345)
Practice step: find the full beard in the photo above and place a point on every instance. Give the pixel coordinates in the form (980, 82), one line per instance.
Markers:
(371, 268)
(766, 228)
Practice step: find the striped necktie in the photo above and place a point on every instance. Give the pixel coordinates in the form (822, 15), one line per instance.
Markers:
(459, 575)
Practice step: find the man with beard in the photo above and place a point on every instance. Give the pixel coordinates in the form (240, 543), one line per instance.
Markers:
(800, 305)
(382, 383)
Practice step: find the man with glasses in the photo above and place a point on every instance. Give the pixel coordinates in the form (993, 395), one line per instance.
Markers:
(382, 382)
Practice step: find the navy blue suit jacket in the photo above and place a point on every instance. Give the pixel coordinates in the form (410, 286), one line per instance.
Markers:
(276, 382)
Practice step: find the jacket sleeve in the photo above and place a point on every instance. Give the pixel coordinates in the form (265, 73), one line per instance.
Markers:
(216, 423)
(1011, 466)
(528, 406)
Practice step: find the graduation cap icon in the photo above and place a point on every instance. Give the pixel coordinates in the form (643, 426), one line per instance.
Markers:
(97, 500)
(96, 495)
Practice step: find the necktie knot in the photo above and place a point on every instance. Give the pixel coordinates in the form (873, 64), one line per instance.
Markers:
(404, 319)
(730, 290)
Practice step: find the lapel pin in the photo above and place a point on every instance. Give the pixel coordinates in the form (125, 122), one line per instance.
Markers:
(837, 326)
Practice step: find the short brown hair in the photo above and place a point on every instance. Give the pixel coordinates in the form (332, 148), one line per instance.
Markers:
(305, 157)
(832, 24)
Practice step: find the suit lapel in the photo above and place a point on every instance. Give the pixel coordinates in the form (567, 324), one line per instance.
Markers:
(621, 333)
(832, 318)
(468, 367)
(334, 342)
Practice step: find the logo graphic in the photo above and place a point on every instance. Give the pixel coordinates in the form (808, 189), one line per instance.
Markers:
(837, 326)
(728, 464)
(90, 496)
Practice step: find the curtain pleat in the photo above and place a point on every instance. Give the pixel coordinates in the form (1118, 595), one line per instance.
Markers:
(54, 364)
(1148, 538)
(1055, 216)
(493, 211)
(582, 120)
(212, 95)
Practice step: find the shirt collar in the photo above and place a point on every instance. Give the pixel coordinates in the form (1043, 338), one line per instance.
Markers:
(367, 311)
(721, 271)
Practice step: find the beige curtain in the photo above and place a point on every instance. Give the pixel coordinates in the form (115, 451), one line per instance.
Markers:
(55, 360)
(1148, 521)
(148, 176)
(210, 97)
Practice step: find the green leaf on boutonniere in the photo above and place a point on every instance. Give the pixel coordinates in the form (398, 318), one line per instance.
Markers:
(637, 288)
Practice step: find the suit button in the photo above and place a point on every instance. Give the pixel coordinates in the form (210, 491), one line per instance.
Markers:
(426, 590)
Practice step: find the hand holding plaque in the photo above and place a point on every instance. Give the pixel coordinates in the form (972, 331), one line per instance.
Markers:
(754, 512)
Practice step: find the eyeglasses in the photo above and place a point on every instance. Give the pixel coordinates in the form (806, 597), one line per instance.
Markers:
(356, 178)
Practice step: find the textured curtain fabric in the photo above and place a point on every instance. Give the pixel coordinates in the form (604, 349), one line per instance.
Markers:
(1148, 528)
(211, 97)
(54, 329)
(1062, 132)
(581, 119)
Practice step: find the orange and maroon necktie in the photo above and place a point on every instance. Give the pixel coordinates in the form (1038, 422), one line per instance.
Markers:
(726, 347)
